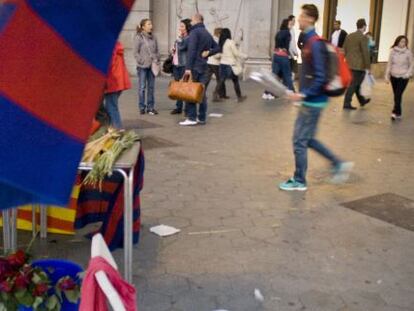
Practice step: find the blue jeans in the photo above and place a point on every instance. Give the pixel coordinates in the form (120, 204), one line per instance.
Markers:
(178, 73)
(111, 106)
(304, 137)
(192, 107)
(281, 67)
(145, 78)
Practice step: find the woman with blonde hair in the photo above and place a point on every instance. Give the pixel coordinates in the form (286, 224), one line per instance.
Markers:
(147, 57)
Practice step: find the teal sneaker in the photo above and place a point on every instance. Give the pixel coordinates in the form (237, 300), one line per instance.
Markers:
(292, 185)
(341, 172)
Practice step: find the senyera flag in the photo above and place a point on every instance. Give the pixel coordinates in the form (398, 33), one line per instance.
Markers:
(54, 56)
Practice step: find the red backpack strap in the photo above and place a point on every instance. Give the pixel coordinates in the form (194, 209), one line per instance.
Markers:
(307, 48)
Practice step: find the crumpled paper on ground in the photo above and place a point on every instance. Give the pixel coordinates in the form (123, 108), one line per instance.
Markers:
(164, 230)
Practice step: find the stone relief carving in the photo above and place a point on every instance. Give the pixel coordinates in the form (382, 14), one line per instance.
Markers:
(217, 13)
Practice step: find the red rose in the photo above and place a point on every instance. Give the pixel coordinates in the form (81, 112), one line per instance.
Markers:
(5, 287)
(21, 281)
(5, 269)
(17, 259)
(40, 289)
(67, 284)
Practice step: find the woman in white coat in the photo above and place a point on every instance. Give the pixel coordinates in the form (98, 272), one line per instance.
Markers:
(399, 71)
(230, 63)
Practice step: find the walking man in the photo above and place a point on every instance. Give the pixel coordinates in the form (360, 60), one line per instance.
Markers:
(312, 81)
(338, 36)
(358, 58)
(201, 45)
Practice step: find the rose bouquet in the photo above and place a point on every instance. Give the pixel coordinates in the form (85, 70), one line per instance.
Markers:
(25, 285)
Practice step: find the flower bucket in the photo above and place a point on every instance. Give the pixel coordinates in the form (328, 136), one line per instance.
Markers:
(56, 269)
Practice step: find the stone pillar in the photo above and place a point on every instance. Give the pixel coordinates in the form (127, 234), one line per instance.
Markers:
(141, 9)
(410, 25)
(259, 31)
(161, 20)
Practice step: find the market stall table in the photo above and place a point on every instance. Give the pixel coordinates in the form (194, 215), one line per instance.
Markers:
(125, 165)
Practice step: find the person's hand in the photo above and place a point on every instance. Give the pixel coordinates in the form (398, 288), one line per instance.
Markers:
(205, 54)
(294, 96)
(187, 75)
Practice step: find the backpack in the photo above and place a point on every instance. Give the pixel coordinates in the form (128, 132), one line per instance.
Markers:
(338, 74)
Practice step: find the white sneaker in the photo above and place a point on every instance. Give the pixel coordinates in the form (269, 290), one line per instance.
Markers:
(270, 97)
(188, 122)
(265, 96)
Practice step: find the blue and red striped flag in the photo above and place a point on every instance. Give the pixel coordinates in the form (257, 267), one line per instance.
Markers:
(54, 56)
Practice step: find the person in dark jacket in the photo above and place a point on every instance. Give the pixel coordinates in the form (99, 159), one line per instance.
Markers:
(180, 57)
(312, 82)
(338, 35)
(357, 56)
(281, 62)
(201, 45)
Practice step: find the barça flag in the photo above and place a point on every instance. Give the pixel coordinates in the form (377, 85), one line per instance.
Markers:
(54, 55)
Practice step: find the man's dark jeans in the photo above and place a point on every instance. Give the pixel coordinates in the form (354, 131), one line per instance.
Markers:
(357, 78)
(304, 137)
(192, 107)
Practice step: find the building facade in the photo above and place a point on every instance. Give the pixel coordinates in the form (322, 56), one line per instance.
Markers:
(254, 22)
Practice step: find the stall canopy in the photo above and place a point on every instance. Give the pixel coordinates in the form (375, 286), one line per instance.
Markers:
(54, 58)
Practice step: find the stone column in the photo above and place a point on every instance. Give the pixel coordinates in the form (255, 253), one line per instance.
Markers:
(258, 32)
(161, 19)
(141, 9)
(410, 25)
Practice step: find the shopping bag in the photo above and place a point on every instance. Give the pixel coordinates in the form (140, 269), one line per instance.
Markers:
(367, 85)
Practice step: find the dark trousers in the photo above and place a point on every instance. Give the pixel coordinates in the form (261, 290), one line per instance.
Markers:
(398, 87)
(178, 73)
(355, 87)
(227, 73)
(304, 137)
(202, 107)
(220, 91)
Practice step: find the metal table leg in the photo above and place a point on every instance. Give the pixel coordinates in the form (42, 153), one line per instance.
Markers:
(6, 230)
(128, 222)
(13, 229)
(43, 221)
(34, 222)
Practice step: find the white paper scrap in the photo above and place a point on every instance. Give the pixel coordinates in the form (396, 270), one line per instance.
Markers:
(258, 295)
(164, 230)
(215, 115)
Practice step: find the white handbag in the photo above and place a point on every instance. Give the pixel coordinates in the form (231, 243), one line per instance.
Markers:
(237, 68)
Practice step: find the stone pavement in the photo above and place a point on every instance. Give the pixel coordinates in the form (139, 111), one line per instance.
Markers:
(303, 251)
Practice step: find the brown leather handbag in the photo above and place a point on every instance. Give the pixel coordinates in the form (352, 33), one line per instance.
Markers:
(188, 91)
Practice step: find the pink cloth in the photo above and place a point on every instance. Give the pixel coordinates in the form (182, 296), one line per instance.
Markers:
(92, 296)
(175, 55)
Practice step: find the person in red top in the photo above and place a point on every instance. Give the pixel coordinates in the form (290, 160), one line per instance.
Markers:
(117, 81)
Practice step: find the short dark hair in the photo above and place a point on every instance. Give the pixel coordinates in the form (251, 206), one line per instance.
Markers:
(361, 23)
(398, 39)
(337, 21)
(311, 10)
(291, 17)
